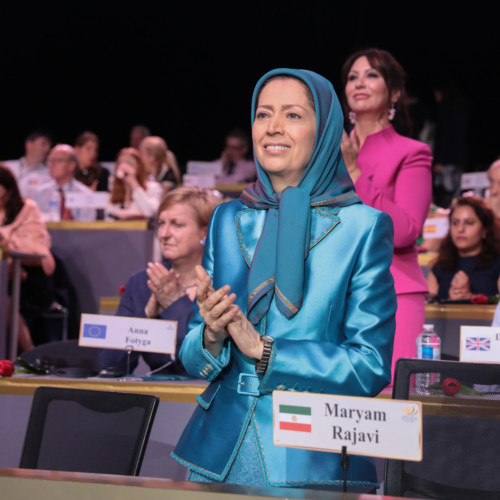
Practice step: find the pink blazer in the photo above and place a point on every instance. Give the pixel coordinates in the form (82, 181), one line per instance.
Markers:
(396, 178)
(28, 233)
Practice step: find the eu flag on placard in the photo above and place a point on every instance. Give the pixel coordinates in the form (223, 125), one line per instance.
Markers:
(477, 344)
(94, 331)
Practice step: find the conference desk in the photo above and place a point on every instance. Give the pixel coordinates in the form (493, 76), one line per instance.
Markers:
(448, 318)
(177, 402)
(19, 484)
(100, 256)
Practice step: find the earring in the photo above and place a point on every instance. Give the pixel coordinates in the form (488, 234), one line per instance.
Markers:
(392, 112)
(202, 242)
(352, 117)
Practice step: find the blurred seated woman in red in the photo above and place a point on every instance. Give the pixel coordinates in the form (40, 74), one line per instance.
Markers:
(22, 229)
(133, 195)
(468, 261)
(166, 290)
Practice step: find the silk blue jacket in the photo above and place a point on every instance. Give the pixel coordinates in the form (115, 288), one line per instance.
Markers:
(340, 342)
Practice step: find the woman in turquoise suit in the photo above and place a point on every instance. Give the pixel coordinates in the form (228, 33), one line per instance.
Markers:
(295, 294)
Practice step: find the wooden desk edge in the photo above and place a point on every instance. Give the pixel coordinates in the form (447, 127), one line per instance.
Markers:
(14, 478)
(118, 225)
(166, 391)
(460, 311)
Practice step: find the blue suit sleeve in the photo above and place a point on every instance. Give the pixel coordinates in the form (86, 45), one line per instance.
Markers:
(196, 359)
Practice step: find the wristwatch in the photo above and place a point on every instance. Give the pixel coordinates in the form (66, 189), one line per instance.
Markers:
(261, 364)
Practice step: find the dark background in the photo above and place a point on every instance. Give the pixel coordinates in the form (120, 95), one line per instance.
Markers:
(187, 70)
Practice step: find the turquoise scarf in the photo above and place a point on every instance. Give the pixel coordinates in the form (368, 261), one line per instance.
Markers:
(277, 269)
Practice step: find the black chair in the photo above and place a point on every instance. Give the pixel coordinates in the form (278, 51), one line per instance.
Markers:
(83, 430)
(461, 432)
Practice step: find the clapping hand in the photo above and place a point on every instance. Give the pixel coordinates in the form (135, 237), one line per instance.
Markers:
(165, 287)
(223, 318)
(350, 149)
(460, 287)
(215, 310)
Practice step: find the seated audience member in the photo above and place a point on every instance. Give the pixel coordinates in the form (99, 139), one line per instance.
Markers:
(62, 166)
(31, 169)
(22, 230)
(167, 290)
(468, 261)
(89, 171)
(237, 167)
(133, 195)
(160, 162)
(137, 134)
(493, 197)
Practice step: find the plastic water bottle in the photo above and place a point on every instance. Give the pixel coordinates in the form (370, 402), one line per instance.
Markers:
(428, 347)
(55, 207)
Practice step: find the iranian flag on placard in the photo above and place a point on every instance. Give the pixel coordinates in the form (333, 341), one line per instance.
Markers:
(295, 418)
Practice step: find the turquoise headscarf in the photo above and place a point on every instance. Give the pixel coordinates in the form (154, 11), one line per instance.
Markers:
(279, 261)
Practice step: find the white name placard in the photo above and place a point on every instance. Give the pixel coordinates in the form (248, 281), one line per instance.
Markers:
(200, 180)
(435, 227)
(480, 344)
(97, 199)
(365, 426)
(127, 333)
(204, 167)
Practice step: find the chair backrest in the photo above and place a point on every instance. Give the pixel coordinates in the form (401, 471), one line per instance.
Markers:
(461, 431)
(83, 430)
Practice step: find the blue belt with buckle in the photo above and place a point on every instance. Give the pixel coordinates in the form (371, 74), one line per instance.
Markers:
(248, 384)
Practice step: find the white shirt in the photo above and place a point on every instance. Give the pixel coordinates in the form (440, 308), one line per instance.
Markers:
(144, 201)
(43, 192)
(28, 177)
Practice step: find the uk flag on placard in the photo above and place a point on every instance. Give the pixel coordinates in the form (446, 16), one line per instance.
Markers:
(477, 344)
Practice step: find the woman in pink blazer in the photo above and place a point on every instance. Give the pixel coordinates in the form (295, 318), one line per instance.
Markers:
(392, 173)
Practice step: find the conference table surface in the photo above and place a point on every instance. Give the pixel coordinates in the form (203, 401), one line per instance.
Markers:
(24, 483)
(177, 402)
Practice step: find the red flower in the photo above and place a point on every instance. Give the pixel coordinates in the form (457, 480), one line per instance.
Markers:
(479, 299)
(122, 289)
(450, 386)
(6, 368)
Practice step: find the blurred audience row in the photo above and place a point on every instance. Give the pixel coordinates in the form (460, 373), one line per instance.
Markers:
(61, 178)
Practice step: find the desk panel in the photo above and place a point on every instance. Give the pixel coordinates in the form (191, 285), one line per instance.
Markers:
(448, 318)
(100, 256)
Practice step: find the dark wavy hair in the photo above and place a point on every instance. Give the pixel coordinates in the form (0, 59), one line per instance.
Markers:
(15, 201)
(448, 254)
(394, 76)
